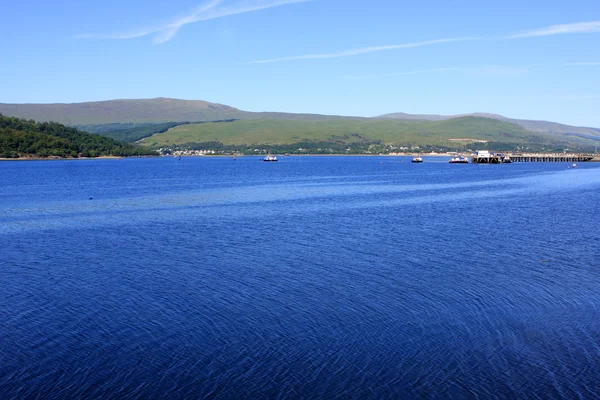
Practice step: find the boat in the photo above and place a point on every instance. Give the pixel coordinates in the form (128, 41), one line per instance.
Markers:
(507, 160)
(459, 160)
(270, 158)
(417, 159)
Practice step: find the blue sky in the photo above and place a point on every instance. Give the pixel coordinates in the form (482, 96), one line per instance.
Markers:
(523, 59)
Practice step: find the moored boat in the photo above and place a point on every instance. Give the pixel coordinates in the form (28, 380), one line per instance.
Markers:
(459, 160)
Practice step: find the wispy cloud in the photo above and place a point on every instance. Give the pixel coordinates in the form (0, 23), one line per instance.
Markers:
(486, 70)
(581, 27)
(578, 97)
(503, 71)
(583, 64)
(403, 73)
(362, 50)
(204, 12)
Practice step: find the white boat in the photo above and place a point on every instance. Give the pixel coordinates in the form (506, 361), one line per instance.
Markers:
(459, 160)
(417, 159)
(507, 160)
(270, 158)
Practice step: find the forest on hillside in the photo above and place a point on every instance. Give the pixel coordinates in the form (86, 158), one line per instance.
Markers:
(28, 138)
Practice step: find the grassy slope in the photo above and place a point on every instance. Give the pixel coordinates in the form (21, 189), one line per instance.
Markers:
(92, 115)
(134, 134)
(388, 131)
(530, 125)
(112, 115)
(122, 111)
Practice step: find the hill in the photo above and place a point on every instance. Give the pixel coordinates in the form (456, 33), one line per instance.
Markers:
(133, 120)
(140, 111)
(547, 127)
(457, 133)
(121, 111)
(21, 138)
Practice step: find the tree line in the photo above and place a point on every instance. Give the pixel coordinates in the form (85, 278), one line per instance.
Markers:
(26, 138)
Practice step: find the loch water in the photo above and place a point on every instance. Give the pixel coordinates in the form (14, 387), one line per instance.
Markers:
(311, 277)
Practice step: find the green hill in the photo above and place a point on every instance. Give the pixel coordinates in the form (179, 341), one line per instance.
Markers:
(22, 138)
(121, 111)
(547, 127)
(450, 134)
(135, 133)
(140, 111)
(171, 121)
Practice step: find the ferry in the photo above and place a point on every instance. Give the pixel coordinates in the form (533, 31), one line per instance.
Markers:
(459, 160)
(270, 158)
(417, 160)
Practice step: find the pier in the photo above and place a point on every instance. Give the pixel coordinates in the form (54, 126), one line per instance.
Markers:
(551, 157)
(487, 157)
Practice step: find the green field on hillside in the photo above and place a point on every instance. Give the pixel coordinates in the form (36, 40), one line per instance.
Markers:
(133, 119)
(395, 132)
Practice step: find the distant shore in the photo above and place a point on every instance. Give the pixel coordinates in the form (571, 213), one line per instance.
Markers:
(55, 158)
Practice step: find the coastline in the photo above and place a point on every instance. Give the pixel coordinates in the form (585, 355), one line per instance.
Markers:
(595, 159)
(70, 158)
(216, 156)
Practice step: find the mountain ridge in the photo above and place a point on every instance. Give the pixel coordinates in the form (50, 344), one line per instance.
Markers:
(162, 110)
(156, 110)
(531, 125)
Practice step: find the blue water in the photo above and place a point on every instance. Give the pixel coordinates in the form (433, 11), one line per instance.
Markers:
(313, 277)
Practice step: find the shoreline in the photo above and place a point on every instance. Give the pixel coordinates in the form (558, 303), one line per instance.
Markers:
(71, 158)
(595, 159)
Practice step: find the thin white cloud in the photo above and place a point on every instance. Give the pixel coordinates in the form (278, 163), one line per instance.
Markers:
(207, 11)
(578, 97)
(403, 73)
(363, 50)
(580, 27)
(502, 71)
(583, 64)
(486, 70)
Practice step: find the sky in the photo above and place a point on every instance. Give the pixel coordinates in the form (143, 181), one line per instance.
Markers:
(528, 59)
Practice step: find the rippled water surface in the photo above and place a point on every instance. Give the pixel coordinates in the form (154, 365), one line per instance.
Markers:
(313, 277)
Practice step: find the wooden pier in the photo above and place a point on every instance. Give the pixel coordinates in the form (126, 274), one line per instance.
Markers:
(486, 157)
(551, 157)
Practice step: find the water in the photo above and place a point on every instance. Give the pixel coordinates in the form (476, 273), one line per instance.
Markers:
(313, 277)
